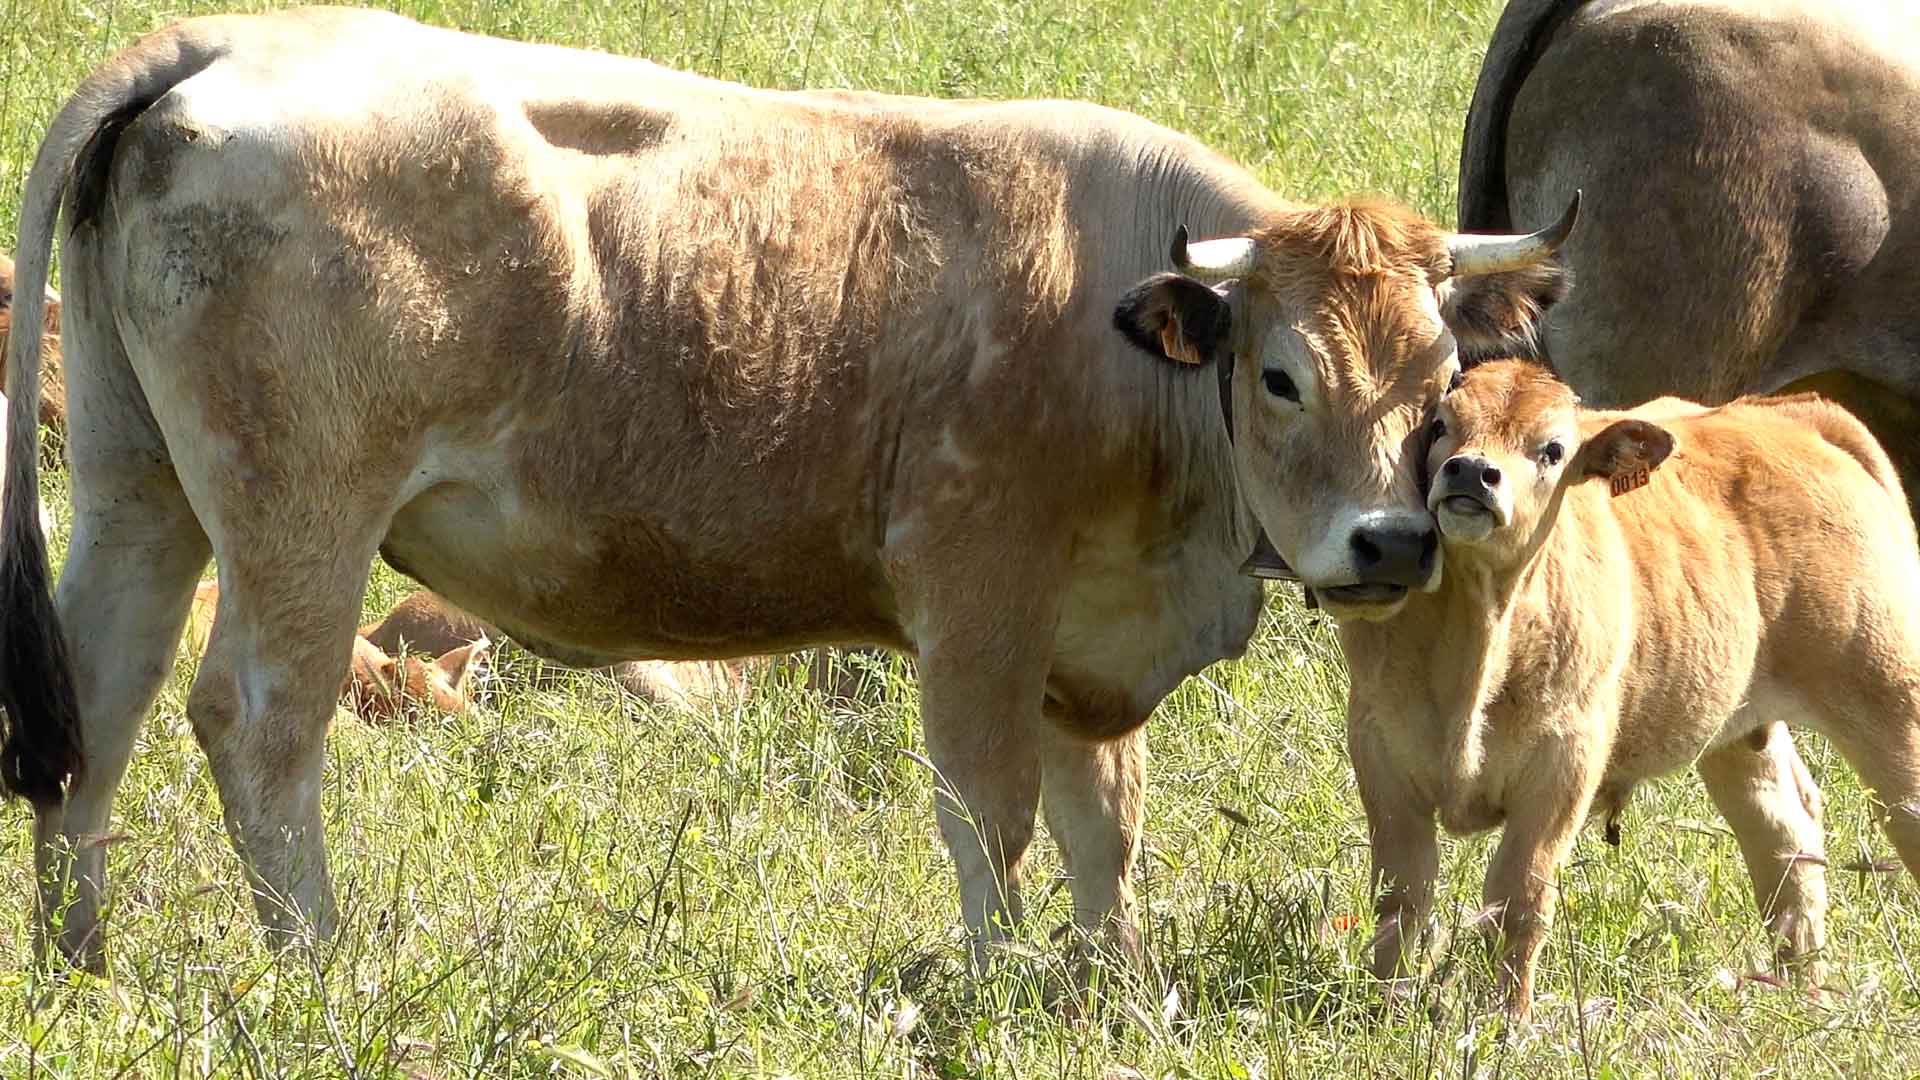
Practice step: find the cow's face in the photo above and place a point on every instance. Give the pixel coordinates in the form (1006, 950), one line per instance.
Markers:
(1506, 444)
(1342, 325)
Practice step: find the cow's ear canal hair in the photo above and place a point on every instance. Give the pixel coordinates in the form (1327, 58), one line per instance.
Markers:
(1175, 318)
(1500, 315)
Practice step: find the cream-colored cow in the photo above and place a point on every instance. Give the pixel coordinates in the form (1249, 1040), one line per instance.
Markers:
(632, 363)
(1627, 594)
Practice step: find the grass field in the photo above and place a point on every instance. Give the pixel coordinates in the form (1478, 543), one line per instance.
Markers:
(565, 883)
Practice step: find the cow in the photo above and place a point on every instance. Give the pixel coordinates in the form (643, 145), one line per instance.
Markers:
(631, 362)
(1627, 594)
(1757, 160)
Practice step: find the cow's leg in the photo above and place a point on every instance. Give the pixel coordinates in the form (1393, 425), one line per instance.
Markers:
(135, 554)
(981, 709)
(1764, 792)
(1094, 794)
(282, 634)
(1405, 847)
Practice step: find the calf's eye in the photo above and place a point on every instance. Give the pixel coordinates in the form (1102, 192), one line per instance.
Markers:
(1439, 429)
(1279, 385)
(1553, 452)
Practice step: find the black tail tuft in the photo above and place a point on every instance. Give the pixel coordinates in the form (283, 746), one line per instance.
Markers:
(42, 753)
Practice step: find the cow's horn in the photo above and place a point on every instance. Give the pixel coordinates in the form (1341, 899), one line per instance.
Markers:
(1491, 254)
(1212, 260)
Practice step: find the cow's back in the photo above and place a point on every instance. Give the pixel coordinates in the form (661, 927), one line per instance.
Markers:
(655, 365)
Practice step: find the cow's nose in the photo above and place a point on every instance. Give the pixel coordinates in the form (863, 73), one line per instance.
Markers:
(1395, 554)
(1465, 470)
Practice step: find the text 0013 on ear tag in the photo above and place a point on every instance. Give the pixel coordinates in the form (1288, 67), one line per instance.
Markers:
(1630, 481)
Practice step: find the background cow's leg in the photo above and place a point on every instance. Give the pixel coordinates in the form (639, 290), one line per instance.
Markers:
(135, 554)
(1767, 797)
(282, 633)
(1094, 794)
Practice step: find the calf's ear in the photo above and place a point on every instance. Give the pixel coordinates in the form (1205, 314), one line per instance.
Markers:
(1502, 314)
(455, 666)
(1623, 449)
(1175, 318)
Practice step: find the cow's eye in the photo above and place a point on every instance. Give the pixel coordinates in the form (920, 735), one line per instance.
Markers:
(1279, 385)
(1553, 452)
(1438, 431)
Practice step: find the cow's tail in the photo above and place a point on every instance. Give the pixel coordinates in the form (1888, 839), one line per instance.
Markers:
(1524, 31)
(42, 752)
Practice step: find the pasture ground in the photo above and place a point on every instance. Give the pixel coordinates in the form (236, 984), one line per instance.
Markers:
(566, 884)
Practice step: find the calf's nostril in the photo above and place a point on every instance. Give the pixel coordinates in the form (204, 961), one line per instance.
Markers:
(1490, 476)
(1452, 467)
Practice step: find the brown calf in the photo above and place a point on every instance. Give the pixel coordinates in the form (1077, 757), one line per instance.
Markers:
(382, 683)
(379, 687)
(1626, 594)
(53, 384)
(426, 622)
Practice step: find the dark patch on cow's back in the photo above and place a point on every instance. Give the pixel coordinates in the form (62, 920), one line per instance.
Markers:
(599, 127)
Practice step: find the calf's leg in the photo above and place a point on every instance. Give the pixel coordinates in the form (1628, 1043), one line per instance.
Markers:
(1405, 847)
(1764, 792)
(1544, 815)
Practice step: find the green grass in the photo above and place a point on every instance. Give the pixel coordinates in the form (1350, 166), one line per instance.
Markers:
(568, 884)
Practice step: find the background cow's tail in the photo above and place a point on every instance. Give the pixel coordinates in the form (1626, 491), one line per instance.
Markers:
(1525, 29)
(42, 751)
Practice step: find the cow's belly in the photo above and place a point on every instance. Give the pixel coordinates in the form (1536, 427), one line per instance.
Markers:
(592, 589)
(1129, 633)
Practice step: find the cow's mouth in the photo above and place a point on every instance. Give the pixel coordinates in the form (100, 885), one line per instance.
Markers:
(1363, 595)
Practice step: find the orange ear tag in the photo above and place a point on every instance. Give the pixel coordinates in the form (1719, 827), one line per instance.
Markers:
(1621, 483)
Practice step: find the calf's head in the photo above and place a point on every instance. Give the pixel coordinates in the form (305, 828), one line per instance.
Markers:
(1507, 443)
(1340, 327)
(382, 687)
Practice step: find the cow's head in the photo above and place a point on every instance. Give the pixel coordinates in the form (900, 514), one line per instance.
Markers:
(1508, 442)
(1342, 325)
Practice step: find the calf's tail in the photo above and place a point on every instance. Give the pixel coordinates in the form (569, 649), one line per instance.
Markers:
(42, 752)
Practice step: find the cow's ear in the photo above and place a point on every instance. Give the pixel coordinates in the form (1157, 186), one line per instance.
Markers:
(1623, 451)
(1175, 318)
(1502, 314)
